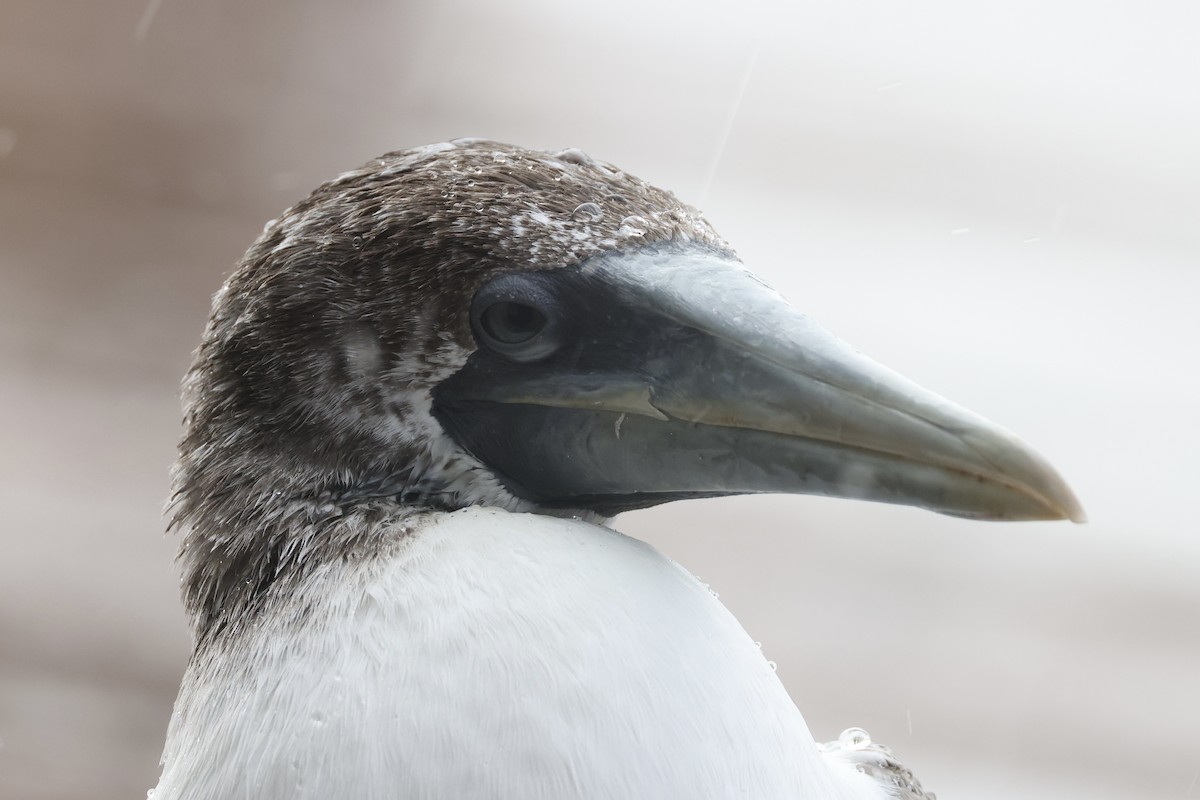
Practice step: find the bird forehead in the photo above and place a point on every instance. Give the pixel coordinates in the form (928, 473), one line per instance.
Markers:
(504, 205)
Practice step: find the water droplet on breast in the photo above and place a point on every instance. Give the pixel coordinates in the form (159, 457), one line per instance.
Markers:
(854, 739)
(632, 226)
(774, 667)
(587, 212)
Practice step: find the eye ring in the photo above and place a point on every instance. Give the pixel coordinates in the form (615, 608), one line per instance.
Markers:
(518, 317)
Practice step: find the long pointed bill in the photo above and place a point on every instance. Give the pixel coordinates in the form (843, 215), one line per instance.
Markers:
(684, 376)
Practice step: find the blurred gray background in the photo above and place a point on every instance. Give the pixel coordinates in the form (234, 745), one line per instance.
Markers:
(999, 200)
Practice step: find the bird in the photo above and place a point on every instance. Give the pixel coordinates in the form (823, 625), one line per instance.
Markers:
(419, 402)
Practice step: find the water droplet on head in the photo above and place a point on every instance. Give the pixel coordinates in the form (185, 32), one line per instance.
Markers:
(854, 739)
(357, 241)
(573, 155)
(632, 226)
(773, 666)
(470, 183)
(587, 212)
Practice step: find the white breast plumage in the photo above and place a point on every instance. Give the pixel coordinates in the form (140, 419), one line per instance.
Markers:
(498, 655)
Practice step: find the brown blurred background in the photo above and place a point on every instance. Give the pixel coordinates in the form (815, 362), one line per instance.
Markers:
(999, 200)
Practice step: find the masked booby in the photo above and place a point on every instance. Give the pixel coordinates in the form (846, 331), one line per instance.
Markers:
(417, 403)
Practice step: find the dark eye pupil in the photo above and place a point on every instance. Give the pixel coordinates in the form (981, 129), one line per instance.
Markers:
(512, 323)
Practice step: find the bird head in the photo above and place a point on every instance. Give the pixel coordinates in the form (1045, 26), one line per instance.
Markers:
(480, 324)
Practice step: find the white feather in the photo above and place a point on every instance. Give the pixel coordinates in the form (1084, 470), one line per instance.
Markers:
(490, 654)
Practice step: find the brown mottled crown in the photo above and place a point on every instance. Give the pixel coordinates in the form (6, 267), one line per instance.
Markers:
(508, 204)
(449, 214)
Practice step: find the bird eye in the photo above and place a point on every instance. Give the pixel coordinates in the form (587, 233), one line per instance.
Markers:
(511, 323)
(517, 316)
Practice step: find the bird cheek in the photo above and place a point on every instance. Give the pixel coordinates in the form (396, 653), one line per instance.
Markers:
(362, 354)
